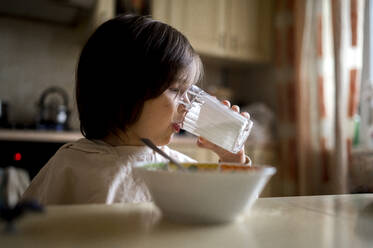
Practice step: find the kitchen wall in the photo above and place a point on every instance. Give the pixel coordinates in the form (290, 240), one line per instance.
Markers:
(33, 56)
(254, 83)
(248, 83)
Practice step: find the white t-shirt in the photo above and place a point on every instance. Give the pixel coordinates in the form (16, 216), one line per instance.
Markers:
(89, 171)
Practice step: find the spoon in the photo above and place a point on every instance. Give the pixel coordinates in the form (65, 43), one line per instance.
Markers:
(150, 144)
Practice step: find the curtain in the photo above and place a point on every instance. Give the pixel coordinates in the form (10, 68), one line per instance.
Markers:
(318, 60)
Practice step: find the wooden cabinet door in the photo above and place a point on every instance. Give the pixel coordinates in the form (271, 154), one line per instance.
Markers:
(249, 31)
(103, 11)
(160, 10)
(201, 21)
(235, 29)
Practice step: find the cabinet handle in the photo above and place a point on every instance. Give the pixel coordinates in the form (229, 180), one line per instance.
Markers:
(234, 43)
(225, 40)
(221, 40)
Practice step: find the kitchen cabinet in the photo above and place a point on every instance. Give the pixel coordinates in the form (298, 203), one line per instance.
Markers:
(233, 29)
(31, 149)
(249, 30)
(102, 11)
(201, 21)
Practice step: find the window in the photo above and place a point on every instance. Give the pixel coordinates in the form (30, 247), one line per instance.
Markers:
(366, 90)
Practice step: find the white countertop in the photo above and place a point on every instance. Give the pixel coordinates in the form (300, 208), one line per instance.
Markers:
(62, 136)
(310, 221)
(39, 135)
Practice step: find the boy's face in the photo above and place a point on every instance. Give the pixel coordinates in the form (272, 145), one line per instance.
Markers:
(161, 117)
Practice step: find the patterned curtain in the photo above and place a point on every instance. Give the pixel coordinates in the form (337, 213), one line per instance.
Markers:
(318, 66)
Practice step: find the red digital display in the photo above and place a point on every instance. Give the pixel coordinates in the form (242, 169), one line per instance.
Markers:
(17, 156)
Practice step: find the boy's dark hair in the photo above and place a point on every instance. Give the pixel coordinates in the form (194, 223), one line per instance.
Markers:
(128, 60)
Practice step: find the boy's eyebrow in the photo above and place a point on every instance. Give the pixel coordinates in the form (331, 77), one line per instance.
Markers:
(186, 81)
(177, 83)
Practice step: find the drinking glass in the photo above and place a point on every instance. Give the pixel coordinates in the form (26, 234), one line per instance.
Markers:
(209, 118)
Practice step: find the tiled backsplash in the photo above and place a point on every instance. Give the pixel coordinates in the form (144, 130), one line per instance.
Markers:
(33, 56)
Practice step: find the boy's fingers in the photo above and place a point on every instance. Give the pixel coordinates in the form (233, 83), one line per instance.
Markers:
(236, 108)
(246, 115)
(227, 103)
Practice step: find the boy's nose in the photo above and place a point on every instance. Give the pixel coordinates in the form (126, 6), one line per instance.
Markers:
(184, 101)
(181, 108)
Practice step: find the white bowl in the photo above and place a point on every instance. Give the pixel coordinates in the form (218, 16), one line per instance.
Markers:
(204, 193)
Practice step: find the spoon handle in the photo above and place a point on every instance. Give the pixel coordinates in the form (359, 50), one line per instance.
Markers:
(149, 143)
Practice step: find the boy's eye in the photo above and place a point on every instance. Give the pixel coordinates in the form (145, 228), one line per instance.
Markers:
(174, 90)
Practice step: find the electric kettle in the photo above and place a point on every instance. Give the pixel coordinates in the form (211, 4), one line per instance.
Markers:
(53, 114)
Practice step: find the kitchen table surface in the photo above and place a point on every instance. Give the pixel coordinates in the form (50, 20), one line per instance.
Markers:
(309, 221)
(63, 136)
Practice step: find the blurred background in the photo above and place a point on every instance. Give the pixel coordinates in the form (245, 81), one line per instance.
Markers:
(302, 69)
